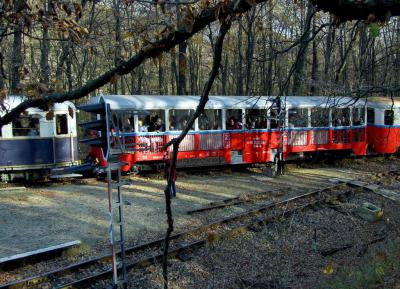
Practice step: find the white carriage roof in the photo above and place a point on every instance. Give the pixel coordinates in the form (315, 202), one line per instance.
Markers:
(125, 102)
(384, 102)
(13, 101)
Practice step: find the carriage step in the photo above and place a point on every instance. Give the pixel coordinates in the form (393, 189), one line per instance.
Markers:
(86, 167)
(97, 142)
(98, 125)
(65, 176)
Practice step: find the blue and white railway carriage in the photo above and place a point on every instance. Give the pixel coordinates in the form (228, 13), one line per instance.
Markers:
(37, 141)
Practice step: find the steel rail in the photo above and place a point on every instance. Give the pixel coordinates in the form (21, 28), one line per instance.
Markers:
(54, 274)
(259, 196)
(146, 262)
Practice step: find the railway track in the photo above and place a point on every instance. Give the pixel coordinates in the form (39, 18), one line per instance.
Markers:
(314, 180)
(86, 272)
(237, 201)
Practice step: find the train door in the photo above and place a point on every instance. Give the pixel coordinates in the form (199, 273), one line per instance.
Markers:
(235, 122)
(256, 137)
(64, 141)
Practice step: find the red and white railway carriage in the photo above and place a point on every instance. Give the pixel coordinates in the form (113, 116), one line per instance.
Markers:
(324, 124)
(236, 129)
(383, 121)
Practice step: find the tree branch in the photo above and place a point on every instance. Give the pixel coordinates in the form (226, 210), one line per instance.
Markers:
(373, 10)
(206, 16)
(346, 54)
(225, 25)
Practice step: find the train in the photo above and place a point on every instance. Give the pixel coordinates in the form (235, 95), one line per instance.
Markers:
(38, 141)
(233, 130)
(247, 130)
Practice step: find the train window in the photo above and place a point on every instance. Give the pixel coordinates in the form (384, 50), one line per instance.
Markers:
(320, 117)
(256, 119)
(234, 119)
(61, 124)
(125, 120)
(358, 116)
(178, 118)
(341, 116)
(370, 115)
(274, 122)
(389, 117)
(211, 119)
(151, 120)
(298, 117)
(26, 125)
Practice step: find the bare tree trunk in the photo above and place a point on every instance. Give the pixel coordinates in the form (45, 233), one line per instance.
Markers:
(118, 41)
(174, 71)
(269, 51)
(314, 68)
(65, 50)
(372, 68)
(3, 90)
(239, 64)
(344, 53)
(362, 63)
(161, 90)
(68, 72)
(45, 49)
(17, 59)
(182, 61)
(224, 75)
(250, 49)
(299, 69)
(140, 75)
(2, 74)
(193, 67)
(329, 48)
(182, 69)
(3, 30)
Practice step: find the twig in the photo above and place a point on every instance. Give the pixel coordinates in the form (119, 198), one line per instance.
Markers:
(150, 50)
(226, 24)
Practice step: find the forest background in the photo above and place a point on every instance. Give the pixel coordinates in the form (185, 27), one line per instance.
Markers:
(279, 46)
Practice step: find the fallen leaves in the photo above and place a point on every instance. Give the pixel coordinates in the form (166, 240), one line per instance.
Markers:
(329, 269)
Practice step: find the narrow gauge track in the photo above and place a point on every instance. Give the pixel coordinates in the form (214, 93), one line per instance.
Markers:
(252, 198)
(260, 196)
(86, 272)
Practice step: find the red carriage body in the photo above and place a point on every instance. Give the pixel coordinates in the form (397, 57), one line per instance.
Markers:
(311, 124)
(383, 128)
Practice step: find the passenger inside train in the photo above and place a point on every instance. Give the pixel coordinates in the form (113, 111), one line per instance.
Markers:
(210, 119)
(27, 125)
(34, 128)
(178, 119)
(156, 124)
(233, 123)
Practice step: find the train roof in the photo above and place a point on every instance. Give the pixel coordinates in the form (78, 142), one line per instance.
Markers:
(146, 102)
(13, 101)
(384, 102)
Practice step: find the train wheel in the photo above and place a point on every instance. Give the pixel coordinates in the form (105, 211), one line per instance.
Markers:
(135, 170)
(101, 176)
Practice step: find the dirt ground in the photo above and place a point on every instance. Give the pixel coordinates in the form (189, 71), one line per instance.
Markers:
(42, 216)
(282, 256)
